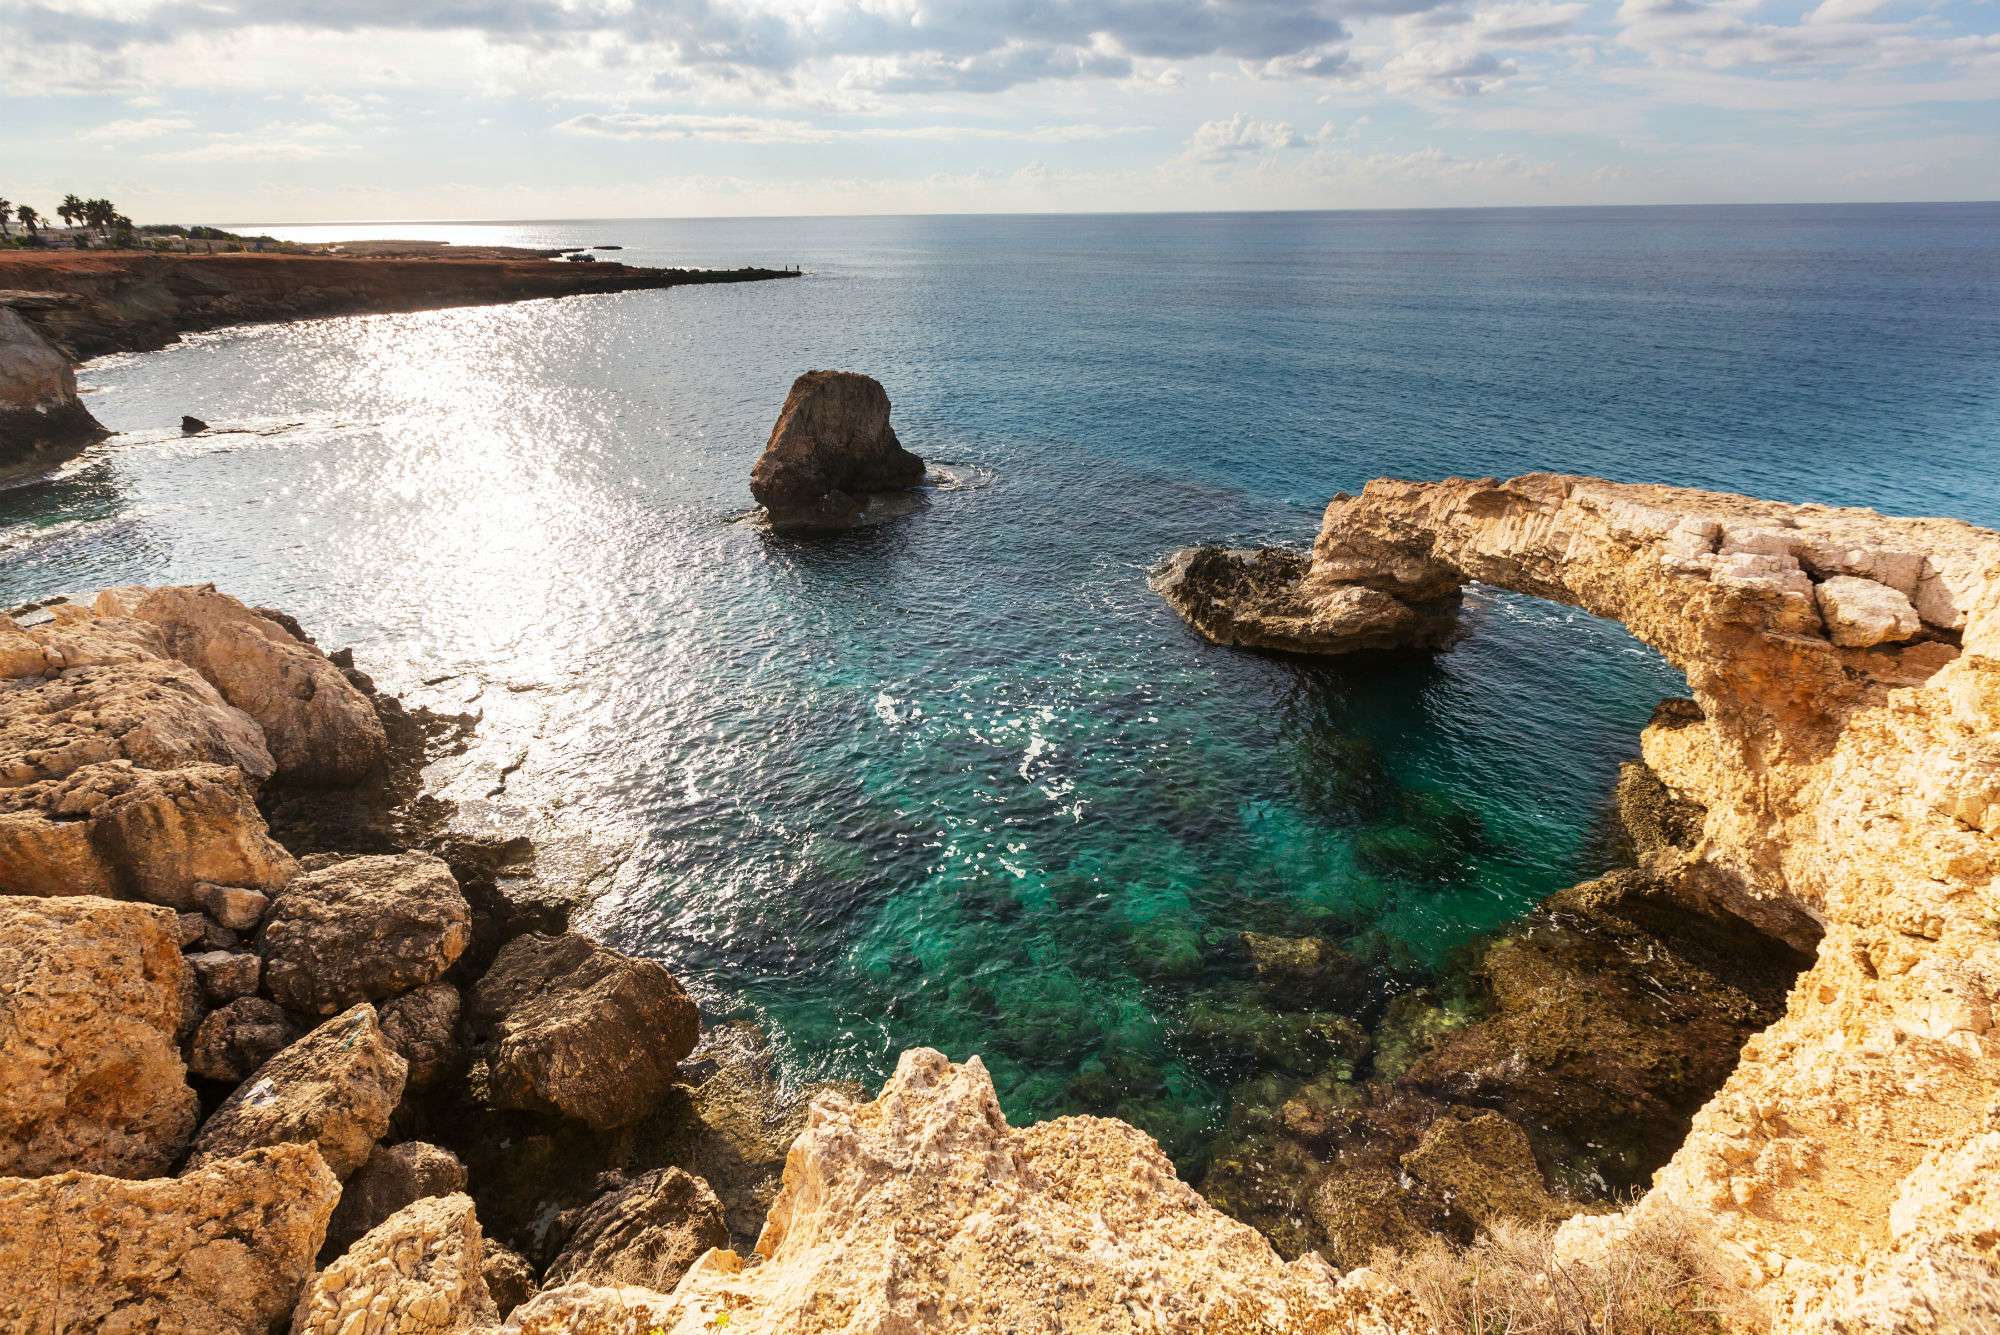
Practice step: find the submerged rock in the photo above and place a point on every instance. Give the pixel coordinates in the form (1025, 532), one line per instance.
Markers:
(831, 448)
(221, 1250)
(1256, 598)
(90, 1070)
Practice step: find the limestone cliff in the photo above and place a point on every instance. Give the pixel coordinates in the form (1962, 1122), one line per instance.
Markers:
(1845, 668)
(40, 413)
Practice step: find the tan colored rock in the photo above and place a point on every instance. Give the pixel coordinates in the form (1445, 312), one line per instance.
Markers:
(90, 1069)
(417, 1273)
(1252, 598)
(320, 729)
(159, 835)
(832, 446)
(363, 929)
(1852, 803)
(226, 975)
(1860, 614)
(924, 1211)
(39, 407)
(334, 1088)
(237, 907)
(221, 1251)
(1482, 1167)
(154, 713)
(393, 1177)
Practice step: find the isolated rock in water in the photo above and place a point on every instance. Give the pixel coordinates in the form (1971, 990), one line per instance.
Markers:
(393, 1177)
(90, 1070)
(234, 1040)
(1861, 613)
(219, 1251)
(564, 1025)
(647, 1232)
(362, 929)
(924, 1211)
(831, 447)
(156, 714)
(1255, 598)
(320, 729)
(422, 1026)
(192, 426)
(39, 407)
(336, 1088)
(159, 835)
(417, 1273)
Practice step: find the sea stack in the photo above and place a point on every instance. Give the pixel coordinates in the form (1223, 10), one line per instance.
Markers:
(831, 450)
(39, 407)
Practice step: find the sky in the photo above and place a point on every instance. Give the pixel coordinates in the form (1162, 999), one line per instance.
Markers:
(312, 110)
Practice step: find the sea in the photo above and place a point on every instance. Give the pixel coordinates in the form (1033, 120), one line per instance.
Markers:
(960, 779)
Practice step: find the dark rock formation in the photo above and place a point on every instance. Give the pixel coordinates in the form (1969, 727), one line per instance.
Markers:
(192, 426)
(362, 929)
(234, 1040)
(563, 1025)
(831, 448)
(40, 413)
(645, 1231)
(1255, 598)
(394, 1176)
(422, 1026)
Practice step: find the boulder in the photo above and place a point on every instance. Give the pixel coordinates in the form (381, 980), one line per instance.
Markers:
(154, 713)
(422, 1026)
(236, 907)
(1860, 614)
(562, 1025)
(226, 975)
(321, 730)
(57, 646)
(116, 830)
(336, 1088)
(362, 929)
(234, 1040)
(393, 1177)
(832, 446)
(510, 1280)
(1301, 972)
(1481, 1167)
(416, 1273)
(192, 426)
(219, 1251)
(647, 1232)
(1258, 598)
(90, 1068)
(39, 408)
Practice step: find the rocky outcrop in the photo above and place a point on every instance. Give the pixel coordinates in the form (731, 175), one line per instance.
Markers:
(219, 1251)
(416, 1273)
(40, 413)
(1843, 757)
(563, 1025)
(831, 449)
(1250, 597)
(646, 1232)
(155, 713)
(362, 929)
(90, 1071)
(422, 1026)
(320, 729)
(925, 1210)
(335, 1089)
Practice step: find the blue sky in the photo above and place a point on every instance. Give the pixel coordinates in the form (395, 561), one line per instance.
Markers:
(447, 109)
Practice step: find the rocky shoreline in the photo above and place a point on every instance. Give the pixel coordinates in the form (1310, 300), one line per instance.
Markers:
(59, 308)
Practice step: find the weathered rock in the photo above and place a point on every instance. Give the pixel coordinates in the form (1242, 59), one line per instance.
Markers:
(236, 907)
(1860, 614)
(564, 1025)
(647, 1232)
(234, 1040)
(1481, 1166)
(115, 830)
(90, 1069)
(1360, 1210)
(154, 713)
(40, 412)
(320, 729)
(510, 1280)
(1254, 598)
(362, 929)
(335, 1088)
(422, 1026)
(226, 975)
(417, 1273)
(219, 1251)
(831, 447)
(924, 1210)
(393, 1177)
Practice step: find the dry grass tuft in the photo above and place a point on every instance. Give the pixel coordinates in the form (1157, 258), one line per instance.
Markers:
(1665, 1277)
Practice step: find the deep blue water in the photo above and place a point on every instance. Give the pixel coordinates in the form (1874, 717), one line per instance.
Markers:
(961, 780)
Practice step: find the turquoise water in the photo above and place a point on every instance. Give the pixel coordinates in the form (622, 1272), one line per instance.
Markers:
(961, 780)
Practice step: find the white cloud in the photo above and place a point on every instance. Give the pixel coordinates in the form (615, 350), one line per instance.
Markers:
(272, 143)
(766, 130)
(118, 133)
(1242, 135)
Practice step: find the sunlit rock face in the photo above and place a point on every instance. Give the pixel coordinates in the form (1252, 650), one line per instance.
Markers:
(1846, 674)
(39, 407)
(831, 449)
(924, 1210)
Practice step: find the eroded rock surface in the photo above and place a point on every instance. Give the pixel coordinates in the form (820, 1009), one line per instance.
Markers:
(393, 1177)
(924, 1210)
(416, 1273)
(90, 1071)
(363, 929)
(39, 408)
(647, 1232)
(1251, 597)
(222, 1250)
(832, 446)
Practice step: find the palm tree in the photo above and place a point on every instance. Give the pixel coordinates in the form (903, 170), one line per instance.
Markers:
(5, 205)
(71, 210)
(29, 217)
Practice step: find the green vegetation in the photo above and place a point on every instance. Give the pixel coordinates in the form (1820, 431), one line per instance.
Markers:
(103, 226)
